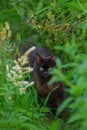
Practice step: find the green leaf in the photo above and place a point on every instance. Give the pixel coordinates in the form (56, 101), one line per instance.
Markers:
(75, 6)
(44, 109)
(74, 118)
(63, 105)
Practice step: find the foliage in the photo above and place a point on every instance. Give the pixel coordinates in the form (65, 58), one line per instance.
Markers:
(16, 111)
(61, 26)
(75, 79)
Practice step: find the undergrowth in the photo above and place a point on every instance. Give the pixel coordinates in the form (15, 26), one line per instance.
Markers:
(60, 26)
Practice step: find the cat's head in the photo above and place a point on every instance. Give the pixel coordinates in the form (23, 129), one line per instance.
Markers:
(44, 64)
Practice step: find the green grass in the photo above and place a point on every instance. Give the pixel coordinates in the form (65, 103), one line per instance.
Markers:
(60, 26)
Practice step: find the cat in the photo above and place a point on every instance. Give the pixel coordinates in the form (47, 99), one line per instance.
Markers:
(42, 62)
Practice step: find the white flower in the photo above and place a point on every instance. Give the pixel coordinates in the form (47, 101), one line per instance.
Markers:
(23, 89)
(16, 73)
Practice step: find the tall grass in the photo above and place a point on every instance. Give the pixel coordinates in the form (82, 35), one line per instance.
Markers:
(61, 26)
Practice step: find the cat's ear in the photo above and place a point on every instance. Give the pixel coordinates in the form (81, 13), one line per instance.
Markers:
(38, 58)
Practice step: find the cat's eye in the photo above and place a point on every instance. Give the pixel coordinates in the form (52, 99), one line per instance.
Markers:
(41, 69)
(50, 69)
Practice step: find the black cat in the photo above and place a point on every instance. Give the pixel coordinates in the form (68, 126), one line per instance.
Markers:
(42, 61)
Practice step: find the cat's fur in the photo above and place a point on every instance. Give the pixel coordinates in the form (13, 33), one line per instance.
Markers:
(42, 60)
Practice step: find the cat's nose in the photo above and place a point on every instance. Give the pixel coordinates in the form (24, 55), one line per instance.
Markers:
(46, 73)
